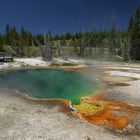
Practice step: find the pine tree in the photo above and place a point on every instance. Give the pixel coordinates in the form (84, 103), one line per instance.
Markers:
(22, 41)
(1, 44)
(7, 34)
(134, 35)
(68, 36)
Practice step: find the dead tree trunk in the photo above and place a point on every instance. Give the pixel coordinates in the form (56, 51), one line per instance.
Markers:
(82, 46)
(58, 48)
(40, 47)
(48, 48)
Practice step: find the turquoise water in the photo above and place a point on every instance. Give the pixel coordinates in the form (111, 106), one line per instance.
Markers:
(48, 83)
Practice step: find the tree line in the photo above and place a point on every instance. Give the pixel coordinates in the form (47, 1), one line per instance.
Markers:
(108, 42)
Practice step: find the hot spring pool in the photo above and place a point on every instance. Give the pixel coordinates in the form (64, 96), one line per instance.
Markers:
(49, 83)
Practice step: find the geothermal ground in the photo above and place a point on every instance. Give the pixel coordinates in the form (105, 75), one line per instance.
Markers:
(22, 119)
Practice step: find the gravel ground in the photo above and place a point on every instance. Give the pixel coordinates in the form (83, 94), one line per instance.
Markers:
(130, 93)
(23, 120)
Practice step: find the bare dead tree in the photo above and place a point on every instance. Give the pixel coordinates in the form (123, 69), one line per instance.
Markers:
(33, 49)
(84, 44)
(46, 50)
(113, 39)
(124, 46)
(58, 48)
(48, 47)
(91, 44)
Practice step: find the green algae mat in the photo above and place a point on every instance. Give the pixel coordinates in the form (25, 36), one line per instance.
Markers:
(49, 83)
